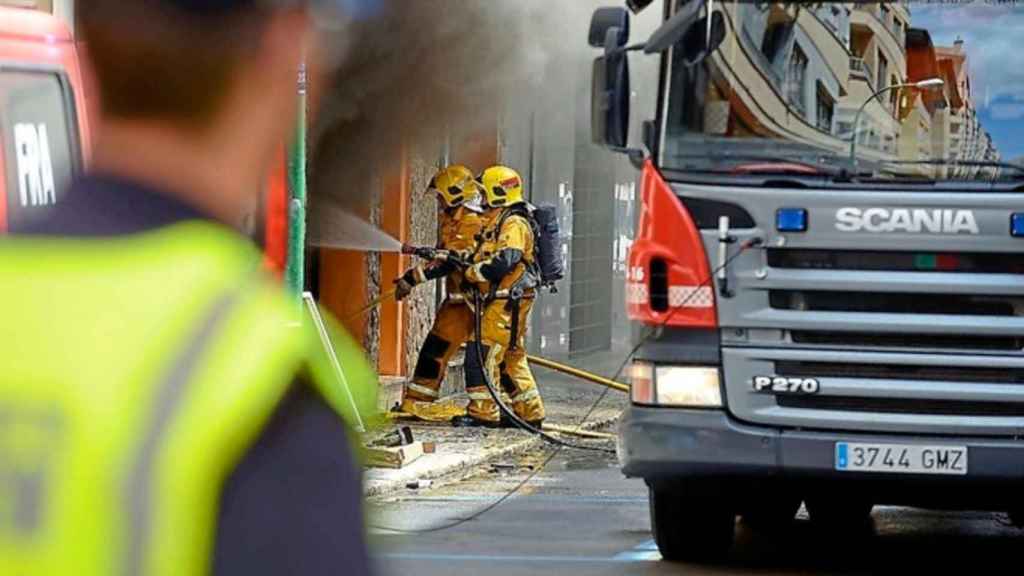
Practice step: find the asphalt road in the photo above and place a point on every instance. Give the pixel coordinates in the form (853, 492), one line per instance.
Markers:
(579, 516)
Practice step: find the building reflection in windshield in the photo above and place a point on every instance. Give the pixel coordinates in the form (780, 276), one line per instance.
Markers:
(799, 72)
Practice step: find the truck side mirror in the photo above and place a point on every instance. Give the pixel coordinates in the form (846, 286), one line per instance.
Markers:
(609, 103)
(604, 21)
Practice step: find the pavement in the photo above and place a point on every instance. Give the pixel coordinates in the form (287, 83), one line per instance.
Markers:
(461, 452)
(579, 516)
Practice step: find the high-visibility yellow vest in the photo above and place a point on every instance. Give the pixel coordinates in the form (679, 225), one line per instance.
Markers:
(135, 373)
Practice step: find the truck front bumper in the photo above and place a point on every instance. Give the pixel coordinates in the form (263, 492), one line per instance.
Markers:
(666, 443)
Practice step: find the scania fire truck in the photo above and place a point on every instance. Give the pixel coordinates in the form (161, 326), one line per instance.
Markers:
(827, 278)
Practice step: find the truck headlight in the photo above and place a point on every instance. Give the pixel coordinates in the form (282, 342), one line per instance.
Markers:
(681, 386)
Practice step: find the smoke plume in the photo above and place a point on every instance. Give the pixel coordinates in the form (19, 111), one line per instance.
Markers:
(422, 69)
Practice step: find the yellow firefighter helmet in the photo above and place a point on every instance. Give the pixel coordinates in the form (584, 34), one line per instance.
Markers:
(454, 185)
(502, 186)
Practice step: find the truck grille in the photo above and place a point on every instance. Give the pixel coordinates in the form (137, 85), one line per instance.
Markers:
(916, 341)
(966, 262)
(900, 372)
(902, 406)
(916, 333)
(894, 303)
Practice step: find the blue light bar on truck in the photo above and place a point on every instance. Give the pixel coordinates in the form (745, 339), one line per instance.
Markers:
(791, 220)
(1017, 225)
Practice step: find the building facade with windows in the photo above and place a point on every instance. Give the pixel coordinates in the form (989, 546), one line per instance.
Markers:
(801, 72)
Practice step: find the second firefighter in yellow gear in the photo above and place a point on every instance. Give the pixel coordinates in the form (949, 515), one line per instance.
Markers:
(504, 274)
(459, 225)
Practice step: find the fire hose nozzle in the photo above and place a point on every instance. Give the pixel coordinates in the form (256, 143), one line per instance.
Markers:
(423, 252)
(428, 253)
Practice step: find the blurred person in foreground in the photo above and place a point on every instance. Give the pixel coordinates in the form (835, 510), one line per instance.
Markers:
(162, 409)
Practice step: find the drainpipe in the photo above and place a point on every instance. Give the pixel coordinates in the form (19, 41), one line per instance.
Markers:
(296, 268)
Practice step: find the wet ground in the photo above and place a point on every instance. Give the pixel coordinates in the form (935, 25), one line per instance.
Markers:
(579, 516)
(569, 402)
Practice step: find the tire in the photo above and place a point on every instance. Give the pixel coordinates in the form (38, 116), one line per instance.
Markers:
(691, 523)
(836, 513)
(778, 512)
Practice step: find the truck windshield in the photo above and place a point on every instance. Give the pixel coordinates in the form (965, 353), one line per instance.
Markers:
(883, 89)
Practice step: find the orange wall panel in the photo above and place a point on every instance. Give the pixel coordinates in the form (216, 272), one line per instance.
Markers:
(394, 221)
(343, 288)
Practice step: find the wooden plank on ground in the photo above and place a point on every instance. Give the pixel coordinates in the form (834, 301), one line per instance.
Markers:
(394, 457)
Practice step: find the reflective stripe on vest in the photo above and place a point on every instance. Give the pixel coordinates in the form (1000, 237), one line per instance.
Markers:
(139, 486)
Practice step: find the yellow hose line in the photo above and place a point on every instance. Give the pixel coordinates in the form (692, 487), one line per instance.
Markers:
(582, 374)
(577, 432)
(373, 304)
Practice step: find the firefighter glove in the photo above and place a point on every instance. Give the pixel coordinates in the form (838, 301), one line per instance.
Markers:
(408, 281)
(402, 289)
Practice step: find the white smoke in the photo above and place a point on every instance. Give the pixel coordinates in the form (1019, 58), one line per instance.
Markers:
(425, 69)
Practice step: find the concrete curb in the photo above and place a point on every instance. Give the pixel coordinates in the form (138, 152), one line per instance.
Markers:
(454, 466)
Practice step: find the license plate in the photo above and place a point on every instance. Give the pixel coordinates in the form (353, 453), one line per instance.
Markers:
(901, 458)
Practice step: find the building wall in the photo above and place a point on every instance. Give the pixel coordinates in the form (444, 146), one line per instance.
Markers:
(63, 9)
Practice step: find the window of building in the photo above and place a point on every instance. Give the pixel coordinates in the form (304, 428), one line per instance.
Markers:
(883, 71)
(796, 75)
(895, 95)
(775, 40)
(825, 109)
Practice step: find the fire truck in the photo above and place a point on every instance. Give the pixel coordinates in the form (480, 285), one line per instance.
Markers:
(827, 278)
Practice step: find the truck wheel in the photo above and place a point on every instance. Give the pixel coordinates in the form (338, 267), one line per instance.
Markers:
(777, 512)
(839, 513)
(691, 524)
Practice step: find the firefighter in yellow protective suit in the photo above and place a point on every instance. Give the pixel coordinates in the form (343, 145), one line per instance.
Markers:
(504, 273)
(460, 224)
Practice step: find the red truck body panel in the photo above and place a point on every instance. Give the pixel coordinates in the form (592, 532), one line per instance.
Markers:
(32, 40)
(37, 41)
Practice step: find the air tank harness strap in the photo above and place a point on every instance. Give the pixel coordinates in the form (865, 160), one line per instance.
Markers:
(513, 307)
(522, 290)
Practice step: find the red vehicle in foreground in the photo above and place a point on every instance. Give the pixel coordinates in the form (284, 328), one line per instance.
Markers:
(44, 128)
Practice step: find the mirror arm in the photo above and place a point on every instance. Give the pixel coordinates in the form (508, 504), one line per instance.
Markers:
(624, 49)
(636, 156)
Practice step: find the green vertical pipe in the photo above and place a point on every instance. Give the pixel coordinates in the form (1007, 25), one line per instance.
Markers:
(296, 268)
